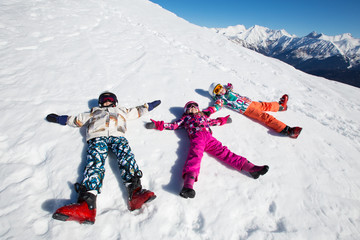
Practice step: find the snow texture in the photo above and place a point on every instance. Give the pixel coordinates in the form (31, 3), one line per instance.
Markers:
(58, 56)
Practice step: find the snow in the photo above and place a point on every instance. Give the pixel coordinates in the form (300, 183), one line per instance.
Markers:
(58, 56)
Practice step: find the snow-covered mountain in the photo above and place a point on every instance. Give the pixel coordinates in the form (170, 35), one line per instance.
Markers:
(58, 56)
(334, 57)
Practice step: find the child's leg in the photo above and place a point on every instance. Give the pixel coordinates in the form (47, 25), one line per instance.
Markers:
(216, 149)
(94, 172)
(269, 106)
(193, 160)
(126, 159)
(256, 111)
(249, 167)
(192, 165)
(189, 180)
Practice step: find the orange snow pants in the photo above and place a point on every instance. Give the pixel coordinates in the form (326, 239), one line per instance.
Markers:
(257, 110)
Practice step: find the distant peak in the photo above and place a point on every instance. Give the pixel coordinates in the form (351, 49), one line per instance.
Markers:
(314, 34)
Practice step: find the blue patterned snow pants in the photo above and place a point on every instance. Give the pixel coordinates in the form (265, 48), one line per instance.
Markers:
(97, 153)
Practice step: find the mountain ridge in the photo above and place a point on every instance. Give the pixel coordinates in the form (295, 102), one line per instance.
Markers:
(333, 57)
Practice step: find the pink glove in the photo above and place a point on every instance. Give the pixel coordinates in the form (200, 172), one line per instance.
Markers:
(229, 86)
(159, 125)
(224, 120)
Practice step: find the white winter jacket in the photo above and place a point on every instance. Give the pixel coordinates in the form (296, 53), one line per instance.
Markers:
(106, 121)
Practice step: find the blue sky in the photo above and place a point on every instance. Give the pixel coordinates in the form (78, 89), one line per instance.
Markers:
(331, 17)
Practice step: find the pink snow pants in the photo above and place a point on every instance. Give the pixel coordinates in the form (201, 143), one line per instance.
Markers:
(202, 142)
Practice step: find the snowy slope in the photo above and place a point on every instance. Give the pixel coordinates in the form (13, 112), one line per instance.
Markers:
(58, 56)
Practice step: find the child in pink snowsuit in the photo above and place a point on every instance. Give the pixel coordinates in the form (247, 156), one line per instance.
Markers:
(201, 140)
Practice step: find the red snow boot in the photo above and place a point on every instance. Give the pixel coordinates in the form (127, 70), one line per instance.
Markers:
(84, 211)
(137, 195)
(140, 197)
(283, 102)
(291, 132)
(295, 132)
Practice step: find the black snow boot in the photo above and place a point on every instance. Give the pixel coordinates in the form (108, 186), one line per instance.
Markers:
(257, 174)
(187, 192)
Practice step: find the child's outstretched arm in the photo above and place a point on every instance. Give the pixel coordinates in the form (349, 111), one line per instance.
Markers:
(73, 121)
(136, 112)
(218, 105)
(220, 121)
(160, 125)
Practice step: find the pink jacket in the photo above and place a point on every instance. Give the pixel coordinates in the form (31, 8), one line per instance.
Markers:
(193, 123)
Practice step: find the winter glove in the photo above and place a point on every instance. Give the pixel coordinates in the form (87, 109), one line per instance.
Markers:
(153, 105)
(229, 86)
(229, 120)
(159, 125)
(150, 125)
(224, 120)
(57, 119)
(207, 112)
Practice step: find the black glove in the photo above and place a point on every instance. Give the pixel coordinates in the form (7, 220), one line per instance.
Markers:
(206, 113)
(57, 119)
(229, 120)
(153, 105)
(150, 125)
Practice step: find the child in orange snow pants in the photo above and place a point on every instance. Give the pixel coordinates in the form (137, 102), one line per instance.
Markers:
(224, 96)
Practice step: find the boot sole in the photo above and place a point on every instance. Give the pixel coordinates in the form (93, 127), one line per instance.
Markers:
(59, 216)
(64, 218)
(186, 196)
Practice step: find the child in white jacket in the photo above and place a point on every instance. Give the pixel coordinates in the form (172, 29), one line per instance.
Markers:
(106, 127)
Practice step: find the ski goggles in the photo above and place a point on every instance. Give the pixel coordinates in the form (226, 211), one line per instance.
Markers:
(217, 89)
(107, 99)
(192, 105)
